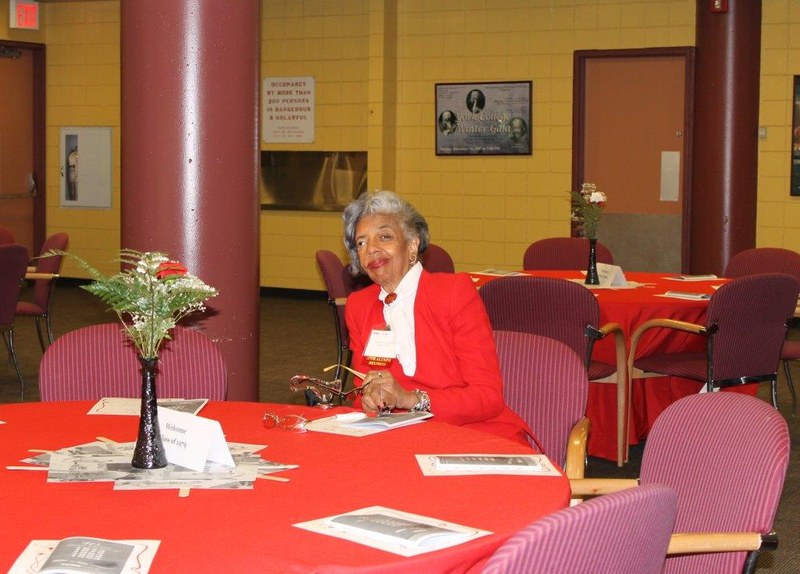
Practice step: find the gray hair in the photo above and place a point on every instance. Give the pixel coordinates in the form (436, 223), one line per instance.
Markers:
(383, 202)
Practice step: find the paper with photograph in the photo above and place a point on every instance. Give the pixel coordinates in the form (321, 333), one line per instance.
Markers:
(103, 461)
(465, 464)
(394, 531)
(361, 424)
(82, 555)
(132, 407)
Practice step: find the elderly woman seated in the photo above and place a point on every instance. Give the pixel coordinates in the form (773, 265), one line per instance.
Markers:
(423, 339)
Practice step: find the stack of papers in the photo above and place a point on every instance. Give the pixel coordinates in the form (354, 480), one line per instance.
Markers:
(111, 462)
(132, 407)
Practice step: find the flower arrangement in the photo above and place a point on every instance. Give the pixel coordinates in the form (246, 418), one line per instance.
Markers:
(588, 204)
(150, 295)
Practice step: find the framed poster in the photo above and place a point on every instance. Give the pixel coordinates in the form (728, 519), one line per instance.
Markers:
(492, 118)
(86, 167)
(795, 176)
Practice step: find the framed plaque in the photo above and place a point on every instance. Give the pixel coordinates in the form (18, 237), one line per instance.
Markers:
(484, 119)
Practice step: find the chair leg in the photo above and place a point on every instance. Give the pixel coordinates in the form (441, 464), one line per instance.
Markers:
(8, 339)
(789, 380)
(774, 391)
(622, 437)
(49, 329)
(39, 332)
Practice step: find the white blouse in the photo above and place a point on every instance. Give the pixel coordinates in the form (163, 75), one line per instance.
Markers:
(399, 317)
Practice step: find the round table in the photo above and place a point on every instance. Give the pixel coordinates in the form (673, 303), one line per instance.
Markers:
(630, 307)
(251, 530)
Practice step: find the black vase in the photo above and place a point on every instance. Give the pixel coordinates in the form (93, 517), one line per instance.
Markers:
(149, 451)
(592, 278)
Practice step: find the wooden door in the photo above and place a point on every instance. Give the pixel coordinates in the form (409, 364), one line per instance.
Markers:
(633, 142)
(22, 142)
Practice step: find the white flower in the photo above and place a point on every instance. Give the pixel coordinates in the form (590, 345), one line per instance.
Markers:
(597, 197)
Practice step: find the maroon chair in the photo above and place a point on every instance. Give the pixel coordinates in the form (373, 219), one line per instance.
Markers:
(437, 260)
(745, 329)
(100, 361)
(726, 455)
(545, 382)
(44, 287)
(568, 312)
(565, 253)
(339, 283)
(763, 260)
(771, 260)
(622, 533)
(6, 236)
(13, 263)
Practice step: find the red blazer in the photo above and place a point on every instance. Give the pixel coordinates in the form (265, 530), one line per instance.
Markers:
(456, 357)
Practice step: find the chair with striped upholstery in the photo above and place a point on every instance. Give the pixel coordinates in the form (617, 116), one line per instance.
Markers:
(772, 260)
(726, 455)
(44, 287)
(6, 236)
(436, 260)
(565, 253)
(622, 533)
(13, 262)
(339, 283)
(744, 331)
(568, 312)
(99, 361)
(545, 383)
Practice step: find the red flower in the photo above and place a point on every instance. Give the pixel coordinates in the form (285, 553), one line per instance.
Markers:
(171, 270)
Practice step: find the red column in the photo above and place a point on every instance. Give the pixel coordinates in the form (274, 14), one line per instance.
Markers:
(190, 72)
(725, 170)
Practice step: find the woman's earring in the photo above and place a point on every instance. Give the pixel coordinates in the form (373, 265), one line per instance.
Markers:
(413, 259)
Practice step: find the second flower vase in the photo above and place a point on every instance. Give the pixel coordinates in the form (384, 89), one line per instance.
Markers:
(592, 278)
(149, 451)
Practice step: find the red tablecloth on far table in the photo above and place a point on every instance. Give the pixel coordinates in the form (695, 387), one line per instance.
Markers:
(251, 530)
(630, 308)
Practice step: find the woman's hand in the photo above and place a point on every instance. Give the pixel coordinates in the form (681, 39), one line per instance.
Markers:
(382, 392)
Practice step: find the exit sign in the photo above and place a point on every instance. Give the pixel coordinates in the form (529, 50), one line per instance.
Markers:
(23, 14)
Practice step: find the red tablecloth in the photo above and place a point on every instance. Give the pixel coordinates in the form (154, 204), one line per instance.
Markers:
(250, 530)
(630, 308)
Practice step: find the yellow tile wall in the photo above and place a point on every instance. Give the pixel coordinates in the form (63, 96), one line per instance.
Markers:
(487, 210)
(83, 90)
(376, 92)
(778, 217)
(329, 40)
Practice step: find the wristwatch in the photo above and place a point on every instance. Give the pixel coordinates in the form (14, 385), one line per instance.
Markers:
(423, 401)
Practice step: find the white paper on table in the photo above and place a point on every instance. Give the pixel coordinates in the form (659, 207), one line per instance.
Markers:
(497, 272)
(441, 534)
(132, 407)
(611, 277)
(539, 465)
(359, 424)
(37, 551)
(685, 295)
(190, 441)
(689, 278)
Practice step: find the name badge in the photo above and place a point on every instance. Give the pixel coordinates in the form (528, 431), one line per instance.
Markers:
(380, 349)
